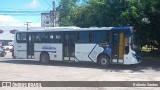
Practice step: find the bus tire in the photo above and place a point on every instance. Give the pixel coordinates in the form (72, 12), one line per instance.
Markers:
(104, 61)
(44, 58)
(14, 57)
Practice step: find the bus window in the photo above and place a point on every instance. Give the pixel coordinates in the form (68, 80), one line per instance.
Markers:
(33, 38)
(21, 37)
(51, 37)
(44, 37)
(100, 37)
(41, 38)
(38, 39)
(57, 38)
(84, 37)
(115, 38)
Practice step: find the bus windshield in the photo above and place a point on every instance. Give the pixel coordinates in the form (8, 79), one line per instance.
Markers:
(135, 43)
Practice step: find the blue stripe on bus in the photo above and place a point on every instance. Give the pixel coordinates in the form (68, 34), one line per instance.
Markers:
(127, 30)
(46, 51)
(36, 51)
(91, 52)
(107, 50)
(77, 59)
(21, 50)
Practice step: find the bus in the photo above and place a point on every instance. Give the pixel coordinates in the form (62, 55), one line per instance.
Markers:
(102, 45)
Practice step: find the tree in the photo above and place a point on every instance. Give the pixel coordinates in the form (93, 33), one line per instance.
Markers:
(143, 15)
(100, 13)
(152, 13)
(66, 11)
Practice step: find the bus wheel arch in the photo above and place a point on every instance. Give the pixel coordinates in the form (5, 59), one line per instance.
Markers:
(44, 57)
(103, 60)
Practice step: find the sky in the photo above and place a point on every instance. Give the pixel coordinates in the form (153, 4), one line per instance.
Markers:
(9, 20)
(15, 19)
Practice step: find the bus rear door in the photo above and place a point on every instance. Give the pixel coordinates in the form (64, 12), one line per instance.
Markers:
(30, 46)
(117, 47)
(69, 46)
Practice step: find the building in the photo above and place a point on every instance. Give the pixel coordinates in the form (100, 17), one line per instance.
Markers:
(46, 20)
(50, 19)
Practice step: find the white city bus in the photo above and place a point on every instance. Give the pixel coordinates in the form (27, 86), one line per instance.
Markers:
(105, 45)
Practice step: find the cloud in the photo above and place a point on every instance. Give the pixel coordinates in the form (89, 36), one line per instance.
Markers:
(33, 4)
(6, 20)
(8, 23)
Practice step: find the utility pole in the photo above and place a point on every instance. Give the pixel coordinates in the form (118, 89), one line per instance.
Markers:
(27, 23)
(54, 14)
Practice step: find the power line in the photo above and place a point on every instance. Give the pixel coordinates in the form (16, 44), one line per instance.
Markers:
(48, 2)
(10, 22)
(20, 9)
(5, 11)
(21, 14)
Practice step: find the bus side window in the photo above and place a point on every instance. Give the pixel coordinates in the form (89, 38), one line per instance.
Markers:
(51, 37)
(100, 37)
(77, 39)
(84, 37)
(33, 38)
(107, 37)
(57, 38)
(38, 39)
(21, 37)
(90, 37)
(45, 38)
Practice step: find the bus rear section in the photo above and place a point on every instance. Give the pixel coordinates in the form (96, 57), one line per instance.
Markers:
(122, 46)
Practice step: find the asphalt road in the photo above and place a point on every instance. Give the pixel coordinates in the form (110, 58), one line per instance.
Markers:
(27, 70)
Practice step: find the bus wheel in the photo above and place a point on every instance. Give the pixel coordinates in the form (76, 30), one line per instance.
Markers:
(14, 57)
(44, 58)
(104, 61)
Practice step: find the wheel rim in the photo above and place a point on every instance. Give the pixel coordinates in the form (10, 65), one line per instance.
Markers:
(103, 61)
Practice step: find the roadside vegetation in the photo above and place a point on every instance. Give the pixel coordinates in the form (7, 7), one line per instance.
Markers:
(143, 15)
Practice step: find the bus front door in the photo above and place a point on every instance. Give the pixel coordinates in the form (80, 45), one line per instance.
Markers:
(117, 47)
(69, 46)
(30, 46)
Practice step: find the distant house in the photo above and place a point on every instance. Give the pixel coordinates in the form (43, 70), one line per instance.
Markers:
(46, 20)
(50, 19)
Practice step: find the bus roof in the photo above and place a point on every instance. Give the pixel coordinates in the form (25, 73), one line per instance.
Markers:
(48, 29)
(127, 30)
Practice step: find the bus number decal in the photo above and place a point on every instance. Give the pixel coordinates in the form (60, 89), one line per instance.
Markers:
(49, 47)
